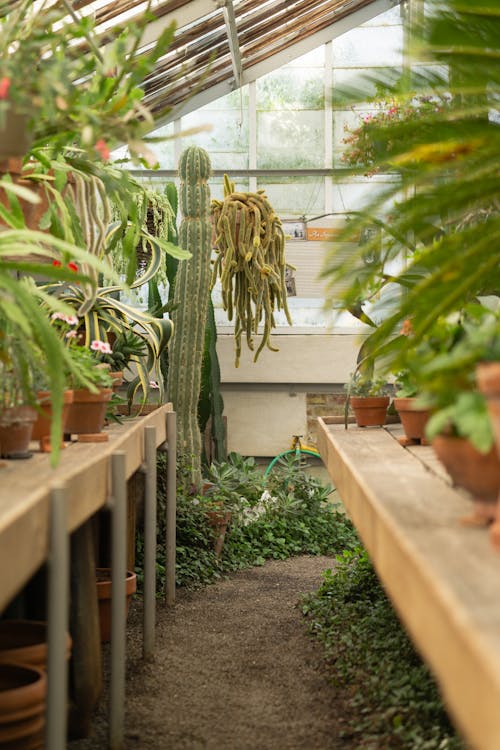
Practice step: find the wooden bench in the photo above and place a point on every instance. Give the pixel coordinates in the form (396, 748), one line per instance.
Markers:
(442, 577)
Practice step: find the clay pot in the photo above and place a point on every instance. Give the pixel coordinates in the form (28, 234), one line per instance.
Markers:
(488, 380)
(32, 212)
(103, 580)
(16, 427)
(117, 378)
(25, 642)
(41, 427)
(412, 418)
(87, 412)
(22, 707)
(369, 411)
(478, 473)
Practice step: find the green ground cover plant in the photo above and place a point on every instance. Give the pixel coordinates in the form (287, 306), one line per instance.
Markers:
(392, 700)
(287, 513)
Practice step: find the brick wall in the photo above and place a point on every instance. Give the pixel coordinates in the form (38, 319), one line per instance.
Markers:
(322, 405)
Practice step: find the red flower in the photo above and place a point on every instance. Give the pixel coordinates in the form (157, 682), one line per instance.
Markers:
(73, 267)
(57, 263)
(4, 87)
(103, 150)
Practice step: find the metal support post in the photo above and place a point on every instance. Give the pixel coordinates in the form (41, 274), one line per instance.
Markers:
(171, 508)
(149, 543)
(118, 598)
(58, 607)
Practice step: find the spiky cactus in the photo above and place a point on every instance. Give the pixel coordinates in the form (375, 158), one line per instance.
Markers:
(192, 291)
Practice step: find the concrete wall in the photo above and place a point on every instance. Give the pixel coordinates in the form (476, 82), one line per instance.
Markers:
(279, 396)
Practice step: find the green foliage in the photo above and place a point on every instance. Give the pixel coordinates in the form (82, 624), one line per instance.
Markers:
(391, 695)
(288, 514)
(442, 213)
(364, 385)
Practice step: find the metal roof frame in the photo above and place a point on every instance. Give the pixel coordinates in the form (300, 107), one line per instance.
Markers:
(221, 45)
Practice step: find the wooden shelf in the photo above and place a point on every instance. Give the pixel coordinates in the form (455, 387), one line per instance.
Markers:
(442, 577)
(84, 469)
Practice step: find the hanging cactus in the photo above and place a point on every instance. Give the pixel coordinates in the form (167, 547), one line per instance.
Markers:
(251, 264)
(192, 292)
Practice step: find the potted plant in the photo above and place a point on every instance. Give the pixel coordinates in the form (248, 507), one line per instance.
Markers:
(367, 396)
(17, 415)
(439, 215)
(104, 108)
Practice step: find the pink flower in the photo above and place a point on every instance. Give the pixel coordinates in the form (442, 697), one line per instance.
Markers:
(102, 148)
(153, 384)
(71, 335)
(100, 346)
(4, 87)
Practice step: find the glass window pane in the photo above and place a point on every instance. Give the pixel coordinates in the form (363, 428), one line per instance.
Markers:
(290, 140)
(368, 47)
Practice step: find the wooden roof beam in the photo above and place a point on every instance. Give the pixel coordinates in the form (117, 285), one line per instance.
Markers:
(232, 37)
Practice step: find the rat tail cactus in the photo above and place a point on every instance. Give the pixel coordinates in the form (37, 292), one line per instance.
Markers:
(192, 292)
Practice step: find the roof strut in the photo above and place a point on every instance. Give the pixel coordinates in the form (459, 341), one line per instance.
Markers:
(232, 37)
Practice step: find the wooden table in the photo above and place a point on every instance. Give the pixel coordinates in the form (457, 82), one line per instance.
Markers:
(442, 577)
(40, 506)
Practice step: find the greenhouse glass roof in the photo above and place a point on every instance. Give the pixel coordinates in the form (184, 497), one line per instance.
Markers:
(220, 45)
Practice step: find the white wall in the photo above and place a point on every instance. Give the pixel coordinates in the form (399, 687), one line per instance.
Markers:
(265, 402)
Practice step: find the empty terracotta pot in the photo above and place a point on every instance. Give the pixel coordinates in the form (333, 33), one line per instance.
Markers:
(22, 707)
(103, 580)
(25, 642)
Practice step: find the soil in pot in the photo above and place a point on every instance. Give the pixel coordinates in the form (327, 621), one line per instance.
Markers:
(413, 420)
(370, 411)
(23, 692)
(478, 473)
(103, 580)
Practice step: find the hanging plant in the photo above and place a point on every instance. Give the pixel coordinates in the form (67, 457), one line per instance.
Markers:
(250, 245)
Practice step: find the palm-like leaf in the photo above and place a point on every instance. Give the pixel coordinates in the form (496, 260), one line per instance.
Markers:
(445, 205)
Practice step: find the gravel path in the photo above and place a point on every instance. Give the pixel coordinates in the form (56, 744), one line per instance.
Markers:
(233, 670)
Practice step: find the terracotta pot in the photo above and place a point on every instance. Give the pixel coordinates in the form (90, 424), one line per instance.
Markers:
(32, 212)
(478, 473)
(87, 412)
(488, 380)
(103, 580)
(22, 707)
(16, 426)
(413, 419)
(25, 642)
(370, 411)
(41, 427)
(117, 378)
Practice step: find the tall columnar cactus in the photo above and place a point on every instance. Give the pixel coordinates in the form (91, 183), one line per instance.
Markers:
(192, 292)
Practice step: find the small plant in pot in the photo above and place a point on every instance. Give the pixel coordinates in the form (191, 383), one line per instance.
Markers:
(459, 427)
(17, 414)
(368, 397)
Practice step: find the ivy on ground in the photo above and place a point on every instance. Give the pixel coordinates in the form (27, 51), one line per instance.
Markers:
(391, 698)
